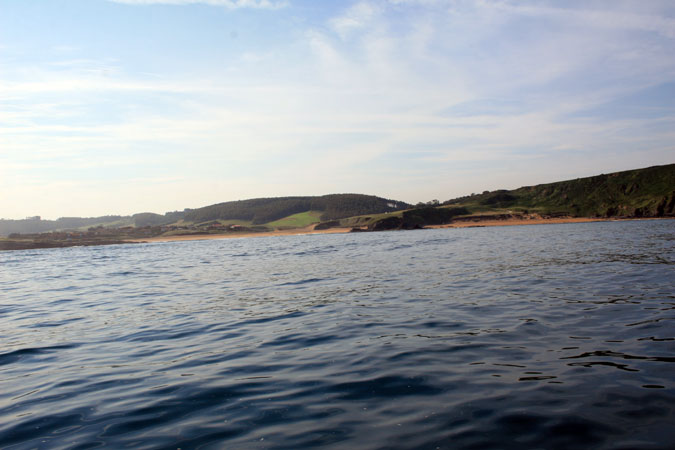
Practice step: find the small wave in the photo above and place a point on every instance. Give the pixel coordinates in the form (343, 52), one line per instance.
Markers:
(55, 323)
(612, 354)
(24, 353)
(301, 282)
(124, 273)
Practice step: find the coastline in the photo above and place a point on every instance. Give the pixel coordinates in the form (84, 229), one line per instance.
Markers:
(471, 223)
(310, 229)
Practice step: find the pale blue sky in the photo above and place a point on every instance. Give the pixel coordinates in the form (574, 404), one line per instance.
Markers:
(117, 107)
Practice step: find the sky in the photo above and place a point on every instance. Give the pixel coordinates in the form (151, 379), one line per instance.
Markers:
(126, 106)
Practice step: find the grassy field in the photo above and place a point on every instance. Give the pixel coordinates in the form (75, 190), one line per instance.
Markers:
(299, 220)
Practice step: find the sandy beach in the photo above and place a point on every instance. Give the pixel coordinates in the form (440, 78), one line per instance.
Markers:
(511, 222)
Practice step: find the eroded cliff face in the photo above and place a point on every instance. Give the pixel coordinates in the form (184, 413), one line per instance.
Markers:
(667, 206)
(663, 207)
(648, 192)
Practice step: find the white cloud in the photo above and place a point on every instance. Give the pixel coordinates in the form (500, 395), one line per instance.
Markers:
(356, 17)
(601, 18)
(230, 4)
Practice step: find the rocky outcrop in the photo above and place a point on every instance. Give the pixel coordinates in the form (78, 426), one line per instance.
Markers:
(417, 218)
(388, 223)
(327, 225)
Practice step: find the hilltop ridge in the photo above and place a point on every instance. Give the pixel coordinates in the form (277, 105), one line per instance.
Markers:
(255, 212)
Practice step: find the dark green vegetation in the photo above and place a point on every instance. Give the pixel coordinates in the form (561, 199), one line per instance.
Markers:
(264, 210)
(646, 192)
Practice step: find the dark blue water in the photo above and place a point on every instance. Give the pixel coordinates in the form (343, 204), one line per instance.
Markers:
(557, 336)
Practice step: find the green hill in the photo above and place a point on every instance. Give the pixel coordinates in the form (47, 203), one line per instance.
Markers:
(265, 210)
(648, 192)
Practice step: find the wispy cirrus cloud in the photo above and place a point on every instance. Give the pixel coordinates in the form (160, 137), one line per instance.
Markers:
(231, 4)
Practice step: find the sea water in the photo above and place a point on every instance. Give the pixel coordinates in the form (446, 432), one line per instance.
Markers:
(553, 336)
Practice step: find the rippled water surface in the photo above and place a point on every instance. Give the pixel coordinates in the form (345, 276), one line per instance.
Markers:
(557, 336)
